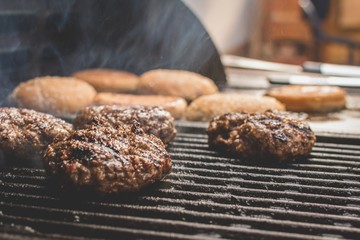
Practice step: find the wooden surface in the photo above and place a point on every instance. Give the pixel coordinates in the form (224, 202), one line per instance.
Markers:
(284, 35)
(281, 32)
(348, 16)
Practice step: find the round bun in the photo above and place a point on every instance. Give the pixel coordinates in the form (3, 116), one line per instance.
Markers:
(206, 107)
(60, 96)
(176, 106)
(109, 80)
(310, 98)
(185, 84)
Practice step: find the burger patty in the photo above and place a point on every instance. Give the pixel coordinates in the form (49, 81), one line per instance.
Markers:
(24, 134)
(153, 120)
(261, 137)
(107, 160)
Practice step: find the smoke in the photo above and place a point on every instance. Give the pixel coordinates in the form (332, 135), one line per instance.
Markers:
(61, 37)
(168, 39)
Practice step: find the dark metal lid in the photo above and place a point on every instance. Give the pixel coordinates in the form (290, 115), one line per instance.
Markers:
(59, 38)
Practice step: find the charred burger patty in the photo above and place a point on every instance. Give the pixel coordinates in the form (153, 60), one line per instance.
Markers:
(262, 137)
(107, 160)
(153, 120)
(24, 133)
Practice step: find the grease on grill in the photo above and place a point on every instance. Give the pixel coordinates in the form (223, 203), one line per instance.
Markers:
(271, 136)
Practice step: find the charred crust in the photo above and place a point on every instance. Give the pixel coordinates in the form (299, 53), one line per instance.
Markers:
(107, 160)
(24, 133)
(149, 120)
(272, 136)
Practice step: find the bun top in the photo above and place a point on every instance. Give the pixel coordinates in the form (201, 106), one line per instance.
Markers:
(181, 83)
(60, 96)
(109, 80)
(206, 107)
(295, 91)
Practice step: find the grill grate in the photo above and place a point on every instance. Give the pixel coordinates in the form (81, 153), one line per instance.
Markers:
(207, 196)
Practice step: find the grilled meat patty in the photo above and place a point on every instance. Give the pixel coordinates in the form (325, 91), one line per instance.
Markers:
(153, 120)
(261, 137)
(24, 134)
(176, 106)
(107, 160)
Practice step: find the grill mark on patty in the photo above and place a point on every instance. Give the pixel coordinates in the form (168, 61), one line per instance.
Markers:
(153, 120)
(261, 137)
(107, 160)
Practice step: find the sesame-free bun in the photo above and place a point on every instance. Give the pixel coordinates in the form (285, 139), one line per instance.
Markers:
(60, 96)
(185, 84)
(176, 106)
(109, 80)
(206, 107)
(310, 98)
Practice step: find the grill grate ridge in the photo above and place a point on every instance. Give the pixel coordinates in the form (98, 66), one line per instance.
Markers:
(115, 220)
(38, 177)
(190, 205)
(207, 196)
(298, 169)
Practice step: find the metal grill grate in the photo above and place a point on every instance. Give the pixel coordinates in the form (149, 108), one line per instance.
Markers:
(207, 196)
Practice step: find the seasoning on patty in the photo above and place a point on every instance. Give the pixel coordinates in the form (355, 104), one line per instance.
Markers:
(176, 106)
(261, 137)
(24, 134)
(153, 120)
(107, 160)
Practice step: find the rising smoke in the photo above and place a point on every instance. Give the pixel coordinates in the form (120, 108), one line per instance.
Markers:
(61, 37)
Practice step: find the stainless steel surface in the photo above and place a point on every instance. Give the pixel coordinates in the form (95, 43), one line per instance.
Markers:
(250, 63)
(312, 80)
(332, 69)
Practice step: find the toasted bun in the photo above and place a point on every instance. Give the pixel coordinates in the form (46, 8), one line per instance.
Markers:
(174, 105)
(185, 84)
(109, 80)
(206, 107)
(310, 98)
(59, 96)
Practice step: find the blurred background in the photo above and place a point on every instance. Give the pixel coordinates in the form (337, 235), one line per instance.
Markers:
(286, 31)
